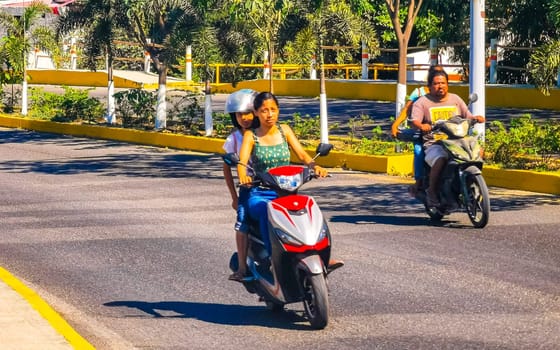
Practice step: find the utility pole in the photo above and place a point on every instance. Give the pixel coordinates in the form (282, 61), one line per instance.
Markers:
(477, 62)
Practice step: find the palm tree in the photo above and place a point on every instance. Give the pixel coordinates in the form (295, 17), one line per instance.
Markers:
(335, 23)
(544, 64)
(15, 47)
(164, 28)
(101, 22)
(266, 17)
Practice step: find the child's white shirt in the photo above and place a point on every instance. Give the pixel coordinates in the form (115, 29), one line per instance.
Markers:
(233, 142)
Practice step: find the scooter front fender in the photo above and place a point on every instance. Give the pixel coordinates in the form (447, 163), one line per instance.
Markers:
(312, 264)
(472, 169)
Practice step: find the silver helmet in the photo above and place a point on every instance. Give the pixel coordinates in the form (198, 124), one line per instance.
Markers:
(240, 101)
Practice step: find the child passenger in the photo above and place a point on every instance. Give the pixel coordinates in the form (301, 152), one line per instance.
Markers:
(239, 105)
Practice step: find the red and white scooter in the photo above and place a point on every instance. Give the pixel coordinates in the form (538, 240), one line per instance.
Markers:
(301, 245)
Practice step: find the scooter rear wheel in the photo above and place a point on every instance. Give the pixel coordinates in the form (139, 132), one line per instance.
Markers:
(316, 300)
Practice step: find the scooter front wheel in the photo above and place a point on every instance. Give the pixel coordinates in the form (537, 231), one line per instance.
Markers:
(316, 300)
(477, 201)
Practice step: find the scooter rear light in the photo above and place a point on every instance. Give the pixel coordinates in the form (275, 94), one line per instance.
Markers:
(304, 248)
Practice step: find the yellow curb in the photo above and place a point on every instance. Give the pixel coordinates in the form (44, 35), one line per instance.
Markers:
(542, 182)
(401, 165)
(52, 317)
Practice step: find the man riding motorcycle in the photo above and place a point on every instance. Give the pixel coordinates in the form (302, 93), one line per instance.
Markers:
(438, 104)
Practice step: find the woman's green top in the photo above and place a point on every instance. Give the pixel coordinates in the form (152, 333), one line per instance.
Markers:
(268, 157)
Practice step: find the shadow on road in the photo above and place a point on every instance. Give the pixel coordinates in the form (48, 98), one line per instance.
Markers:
(143, 162)
(385, 201)
(235, 315)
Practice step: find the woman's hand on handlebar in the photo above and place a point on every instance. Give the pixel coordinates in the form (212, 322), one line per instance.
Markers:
(245, 180)
(320, 171)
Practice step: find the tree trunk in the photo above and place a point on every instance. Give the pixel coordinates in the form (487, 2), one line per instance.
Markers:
(270, 59)
(401, 80)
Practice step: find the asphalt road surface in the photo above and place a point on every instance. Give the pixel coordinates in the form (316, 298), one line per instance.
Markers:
(131, 244)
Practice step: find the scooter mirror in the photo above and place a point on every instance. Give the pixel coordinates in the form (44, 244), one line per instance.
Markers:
(323, 149)
(473, 97)
(231, 159)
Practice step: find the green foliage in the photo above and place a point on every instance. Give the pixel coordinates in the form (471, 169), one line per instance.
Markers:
(77, 105)
(524, 141)
(74, 105)
(373, 146)
(544, 65)
(308, 128)
(222, 124)
(554, 12)
(22, 34)
(187, 114)
(9, 99)
(136, 108)
(367, 138)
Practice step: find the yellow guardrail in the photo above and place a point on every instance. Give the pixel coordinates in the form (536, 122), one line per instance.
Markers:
(502, 96)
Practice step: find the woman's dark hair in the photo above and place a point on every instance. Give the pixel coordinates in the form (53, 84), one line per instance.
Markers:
(261, 97)
(435, 73)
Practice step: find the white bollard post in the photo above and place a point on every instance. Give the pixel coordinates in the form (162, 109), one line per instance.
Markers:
(323, 117)
(266, 69)
(208, 123)
(188, 63)
(365, 61)
(434, 59)
(110, 116)
(73, 54)
(24, 94)
(493, 61)
(147, 59)
(35, 57)
(313, 68)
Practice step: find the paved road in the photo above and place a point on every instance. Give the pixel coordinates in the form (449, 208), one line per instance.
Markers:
(130, 244)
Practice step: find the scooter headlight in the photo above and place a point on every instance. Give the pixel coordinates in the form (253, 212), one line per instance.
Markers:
(289, 182)
(324, 232)
(286, 238)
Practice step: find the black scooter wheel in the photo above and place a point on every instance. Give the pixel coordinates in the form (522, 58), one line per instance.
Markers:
(316, 300)
(477, 201)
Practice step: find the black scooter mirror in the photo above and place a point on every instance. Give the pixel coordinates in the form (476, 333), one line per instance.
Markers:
(323, 149)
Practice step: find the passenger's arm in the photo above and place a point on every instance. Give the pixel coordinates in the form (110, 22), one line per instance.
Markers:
(244, 156)
(228, 176)
(401, 118)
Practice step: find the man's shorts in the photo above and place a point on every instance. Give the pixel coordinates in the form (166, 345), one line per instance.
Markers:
(433, 153)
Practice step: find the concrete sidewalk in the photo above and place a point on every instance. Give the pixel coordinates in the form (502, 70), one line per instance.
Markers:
(27, 322)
